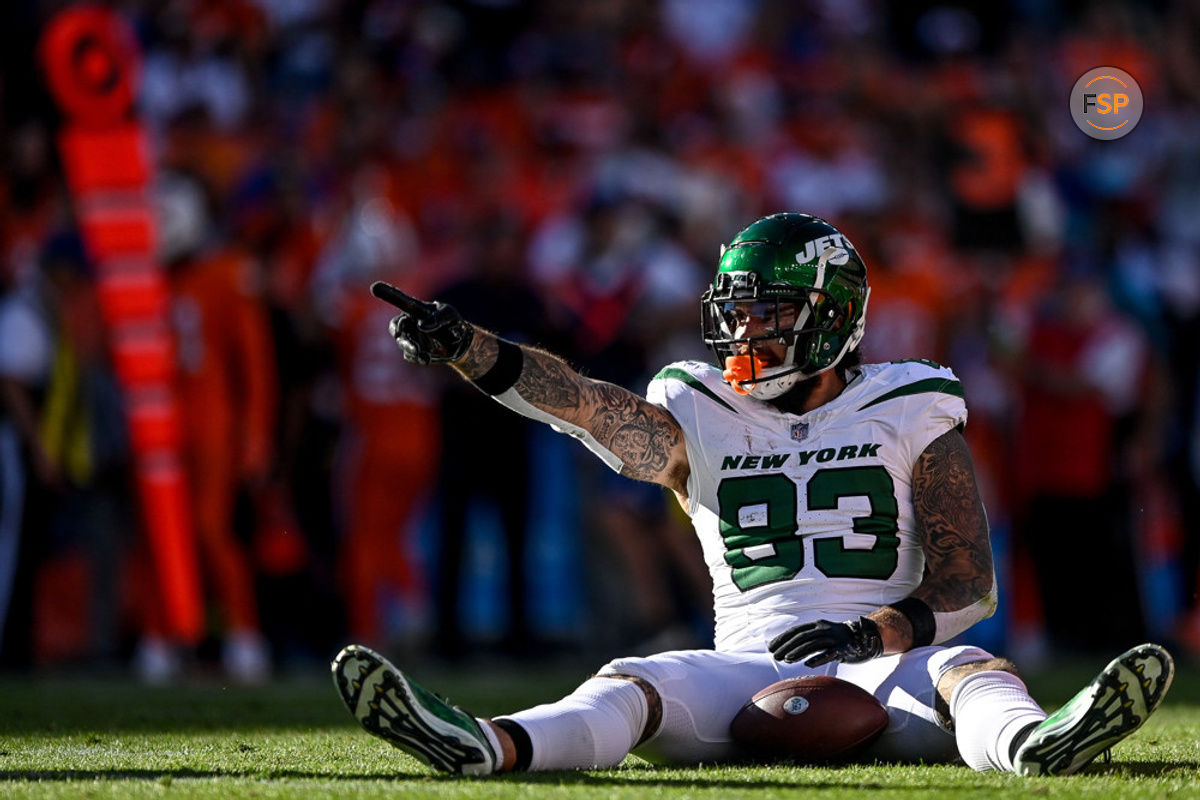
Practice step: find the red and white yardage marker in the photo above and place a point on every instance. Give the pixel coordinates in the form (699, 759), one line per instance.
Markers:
(91, 60)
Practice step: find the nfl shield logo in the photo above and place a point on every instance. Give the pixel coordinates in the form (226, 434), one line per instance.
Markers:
(800, 431)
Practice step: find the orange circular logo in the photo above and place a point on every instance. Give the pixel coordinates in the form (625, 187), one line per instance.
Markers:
(1106, 103)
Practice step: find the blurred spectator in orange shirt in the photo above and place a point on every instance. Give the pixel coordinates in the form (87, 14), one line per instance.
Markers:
(388, 453)
(226, 382)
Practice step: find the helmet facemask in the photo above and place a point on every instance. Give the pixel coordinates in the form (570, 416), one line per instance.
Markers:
(808, 324)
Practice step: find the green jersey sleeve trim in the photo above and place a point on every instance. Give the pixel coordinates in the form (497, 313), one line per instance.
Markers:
(691, 380)
(942, 385)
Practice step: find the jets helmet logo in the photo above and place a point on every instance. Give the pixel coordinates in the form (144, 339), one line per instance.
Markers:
(818, 248)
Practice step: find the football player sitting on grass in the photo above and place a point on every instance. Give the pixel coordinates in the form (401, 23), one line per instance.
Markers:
(839, 516)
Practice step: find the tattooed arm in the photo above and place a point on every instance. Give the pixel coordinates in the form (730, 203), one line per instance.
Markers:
(959, 583)
(643, 438)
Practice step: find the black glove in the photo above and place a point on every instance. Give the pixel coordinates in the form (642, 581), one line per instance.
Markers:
(428, 333)
(825, 641)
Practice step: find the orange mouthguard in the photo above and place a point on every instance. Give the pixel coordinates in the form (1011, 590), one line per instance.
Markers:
(743, 368)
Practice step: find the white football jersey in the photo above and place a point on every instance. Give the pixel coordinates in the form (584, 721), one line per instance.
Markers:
(807, 517)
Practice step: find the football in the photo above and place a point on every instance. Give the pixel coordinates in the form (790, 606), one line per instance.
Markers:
(812, 719)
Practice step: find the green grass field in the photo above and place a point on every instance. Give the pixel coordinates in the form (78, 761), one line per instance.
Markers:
(67, 738)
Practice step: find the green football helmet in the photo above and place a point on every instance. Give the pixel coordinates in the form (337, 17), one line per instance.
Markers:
(800, 265)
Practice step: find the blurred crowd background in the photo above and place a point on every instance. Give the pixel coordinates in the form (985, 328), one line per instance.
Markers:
(564, 172)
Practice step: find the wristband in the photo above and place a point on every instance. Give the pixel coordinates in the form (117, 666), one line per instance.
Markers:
(920, 617)
(505, 372)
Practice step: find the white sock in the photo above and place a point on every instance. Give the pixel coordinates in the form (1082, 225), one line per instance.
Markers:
(594, 726)
(989, 709)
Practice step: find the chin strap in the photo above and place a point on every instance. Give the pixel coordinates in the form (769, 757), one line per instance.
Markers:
(743, 368)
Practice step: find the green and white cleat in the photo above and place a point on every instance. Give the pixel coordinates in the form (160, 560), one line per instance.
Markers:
(1111, 707)
(420, 723)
